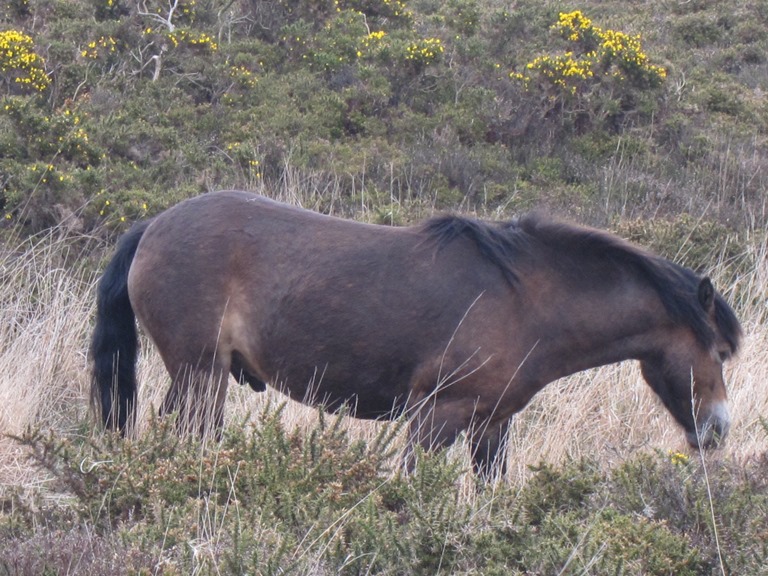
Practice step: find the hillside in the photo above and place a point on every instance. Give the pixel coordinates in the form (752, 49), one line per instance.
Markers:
(113, 110)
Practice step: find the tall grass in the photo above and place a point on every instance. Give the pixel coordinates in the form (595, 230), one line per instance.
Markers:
(46, 304)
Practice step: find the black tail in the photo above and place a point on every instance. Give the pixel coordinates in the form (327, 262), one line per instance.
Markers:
(115, 341)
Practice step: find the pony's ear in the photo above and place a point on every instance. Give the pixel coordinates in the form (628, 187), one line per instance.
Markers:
(707, 294)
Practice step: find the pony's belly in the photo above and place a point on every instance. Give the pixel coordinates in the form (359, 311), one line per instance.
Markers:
(365, 398)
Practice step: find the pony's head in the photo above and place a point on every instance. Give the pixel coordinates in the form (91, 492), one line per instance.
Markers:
(686, 371)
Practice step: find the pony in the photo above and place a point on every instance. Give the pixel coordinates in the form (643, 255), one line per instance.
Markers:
(455, 322)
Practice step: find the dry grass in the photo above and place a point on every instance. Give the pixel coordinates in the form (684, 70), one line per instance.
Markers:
(45, 311)
(607, 414)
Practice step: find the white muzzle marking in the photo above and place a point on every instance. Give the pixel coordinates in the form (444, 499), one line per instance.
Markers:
(712, 428)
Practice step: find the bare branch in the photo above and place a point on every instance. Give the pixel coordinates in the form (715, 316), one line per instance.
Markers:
(166, 21)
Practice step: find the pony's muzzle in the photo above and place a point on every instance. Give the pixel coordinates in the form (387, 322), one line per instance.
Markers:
(711, 428)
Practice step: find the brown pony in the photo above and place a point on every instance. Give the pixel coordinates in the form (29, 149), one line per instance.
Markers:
(456, 322)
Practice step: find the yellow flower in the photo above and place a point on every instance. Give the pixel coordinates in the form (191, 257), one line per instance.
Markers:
(618, 56)
(18, 57)
(678, 458)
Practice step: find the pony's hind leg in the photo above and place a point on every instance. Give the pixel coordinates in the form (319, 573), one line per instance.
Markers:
(197, 394)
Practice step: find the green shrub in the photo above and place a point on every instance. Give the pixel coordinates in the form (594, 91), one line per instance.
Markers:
(266, 499)
(698, 30)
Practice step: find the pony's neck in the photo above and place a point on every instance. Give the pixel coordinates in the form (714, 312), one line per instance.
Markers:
(588, 325)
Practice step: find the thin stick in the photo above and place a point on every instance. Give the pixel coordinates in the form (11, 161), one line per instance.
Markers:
(706, 482)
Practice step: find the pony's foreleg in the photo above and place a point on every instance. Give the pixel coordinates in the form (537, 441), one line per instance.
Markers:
(432, 426)
(437, 425)
(489, 448)
(198, 395)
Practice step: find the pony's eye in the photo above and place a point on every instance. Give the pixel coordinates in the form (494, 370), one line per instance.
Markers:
(723, 356)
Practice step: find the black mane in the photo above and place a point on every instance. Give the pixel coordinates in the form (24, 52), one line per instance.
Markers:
(506, 243)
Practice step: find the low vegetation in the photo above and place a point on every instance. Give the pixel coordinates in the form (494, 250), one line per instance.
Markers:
(270, 500)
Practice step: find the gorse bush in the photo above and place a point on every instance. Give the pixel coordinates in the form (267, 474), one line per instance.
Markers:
(601, 74)
(99, 49)
(424, 51)
(613, 52)
(270, 500)
(20, 65)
